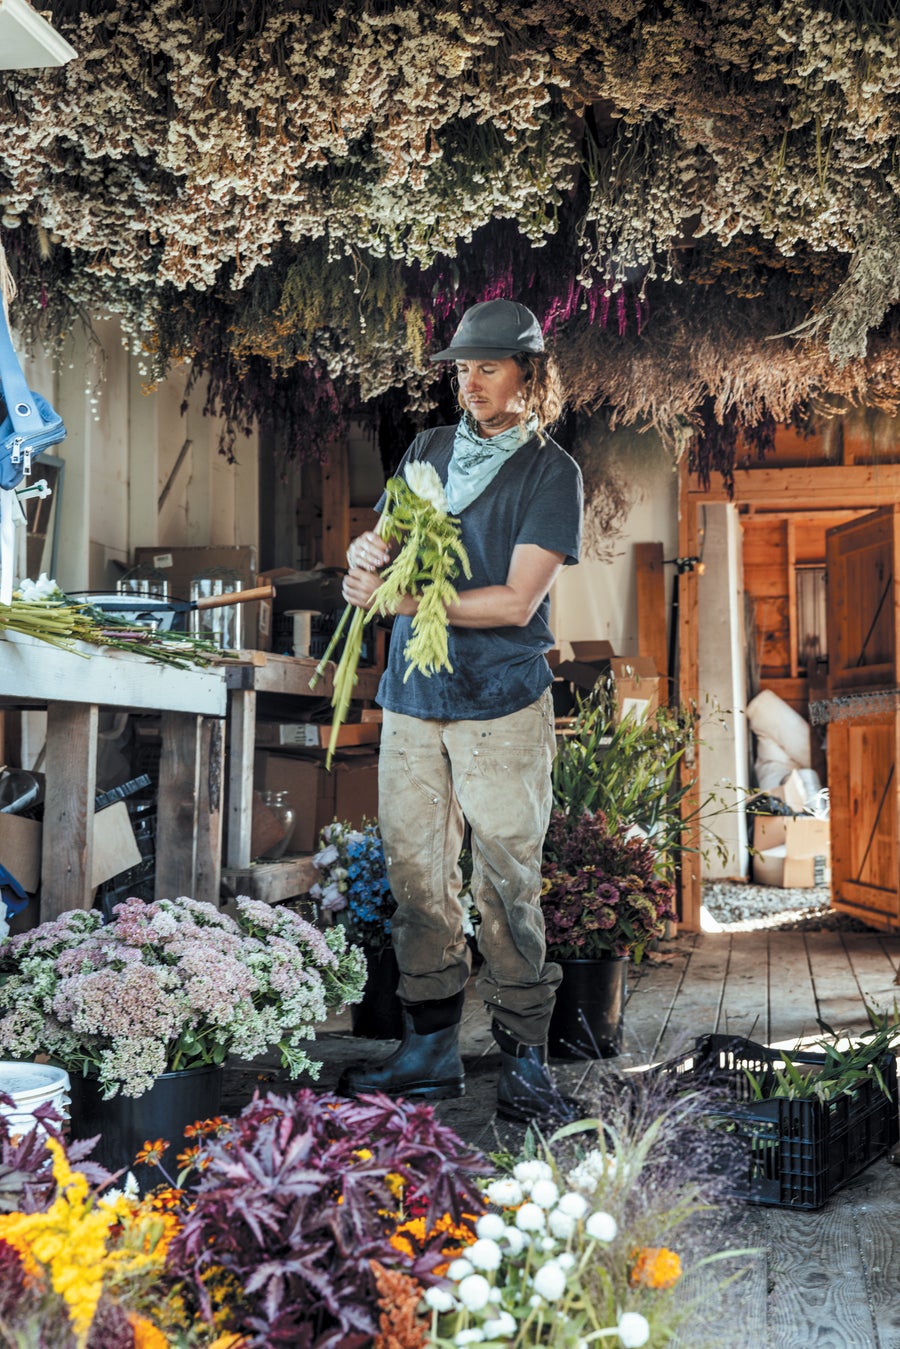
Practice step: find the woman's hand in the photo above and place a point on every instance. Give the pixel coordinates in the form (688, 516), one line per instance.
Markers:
(368, 553)
(359, 586)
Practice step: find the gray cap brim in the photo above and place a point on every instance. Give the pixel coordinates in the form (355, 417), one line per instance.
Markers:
(475, 354)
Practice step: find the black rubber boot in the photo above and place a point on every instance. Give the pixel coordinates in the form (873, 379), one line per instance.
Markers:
(426, 1066)
(526, 1093)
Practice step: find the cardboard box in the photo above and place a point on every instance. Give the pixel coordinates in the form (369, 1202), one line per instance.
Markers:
(115, 847)
(635, 678)
(349, 792)
(313, 735)
(20, 850)
(791, 851)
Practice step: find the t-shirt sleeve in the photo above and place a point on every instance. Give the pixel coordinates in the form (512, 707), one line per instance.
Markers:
(553, 516)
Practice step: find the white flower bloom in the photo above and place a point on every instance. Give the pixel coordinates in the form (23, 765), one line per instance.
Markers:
(573, 1205)
(550, 1281)
(424, 481)
(547, 1244)
(491, 1225)
(535, 1300)
(515, 1240)
(326, 857)
(527, 1173)
(484, 1254)
(473, 1336)
(530, 1218)
(458, 1269)
(505, 1193)
(474, 1292)
(561, 1224)
(439, 1299)
(601, 1226)
(634, 1330)
(499, 1327)
(544, 1193)
(565, 1260)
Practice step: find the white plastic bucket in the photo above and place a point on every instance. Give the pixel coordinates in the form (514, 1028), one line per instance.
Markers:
(31, 1085)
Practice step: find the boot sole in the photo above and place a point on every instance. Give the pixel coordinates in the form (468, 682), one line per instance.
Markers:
(413, 1091)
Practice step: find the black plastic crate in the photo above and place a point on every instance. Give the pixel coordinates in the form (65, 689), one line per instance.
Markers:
(793, 1154)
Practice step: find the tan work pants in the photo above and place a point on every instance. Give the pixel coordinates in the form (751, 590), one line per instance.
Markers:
(433, 777)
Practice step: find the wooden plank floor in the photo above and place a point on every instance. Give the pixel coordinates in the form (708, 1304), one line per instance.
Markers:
(826, 1279)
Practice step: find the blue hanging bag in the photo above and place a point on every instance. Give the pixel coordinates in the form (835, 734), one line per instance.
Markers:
(30, 425)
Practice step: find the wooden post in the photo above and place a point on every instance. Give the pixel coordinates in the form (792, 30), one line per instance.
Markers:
(651, 608)
(241, 736)
(336, 507)
(688, 695)
(68, 837)
(177, 815)
(209, 810)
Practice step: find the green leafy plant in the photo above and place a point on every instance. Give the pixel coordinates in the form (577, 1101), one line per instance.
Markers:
(843, 1071)
(632, 771)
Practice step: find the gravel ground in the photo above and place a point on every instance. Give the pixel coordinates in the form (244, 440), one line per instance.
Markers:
(735, 906)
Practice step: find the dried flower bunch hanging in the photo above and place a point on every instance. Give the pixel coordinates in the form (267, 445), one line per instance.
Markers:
(300, 198)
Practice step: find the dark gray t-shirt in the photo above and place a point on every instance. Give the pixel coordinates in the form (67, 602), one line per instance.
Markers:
(536, 498)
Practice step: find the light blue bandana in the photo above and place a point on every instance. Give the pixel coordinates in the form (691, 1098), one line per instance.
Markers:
(476, 460)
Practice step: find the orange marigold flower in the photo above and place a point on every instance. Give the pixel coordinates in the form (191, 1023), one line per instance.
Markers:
(189, 1156)
(146, 1334)
(201, 1127)
(655, 1267)
(151, 1154)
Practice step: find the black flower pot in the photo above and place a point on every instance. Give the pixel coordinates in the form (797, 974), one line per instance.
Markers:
(126, 1123)
(379, 1016)
(588, 1017)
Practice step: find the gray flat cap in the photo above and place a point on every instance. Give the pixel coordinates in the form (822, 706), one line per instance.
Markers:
(493, 330)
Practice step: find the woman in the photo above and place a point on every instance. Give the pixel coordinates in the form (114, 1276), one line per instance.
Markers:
(476, 745)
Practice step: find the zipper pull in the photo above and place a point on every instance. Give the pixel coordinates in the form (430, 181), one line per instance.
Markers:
(16, 454)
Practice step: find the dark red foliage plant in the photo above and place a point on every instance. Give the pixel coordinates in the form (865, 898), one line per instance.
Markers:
(298, 1199)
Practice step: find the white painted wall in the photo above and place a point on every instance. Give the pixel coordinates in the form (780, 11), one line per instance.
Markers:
(121, 447)
(597, 600)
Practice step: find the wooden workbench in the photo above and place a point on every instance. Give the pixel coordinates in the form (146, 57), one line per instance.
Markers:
(73, 687)
(257, 674)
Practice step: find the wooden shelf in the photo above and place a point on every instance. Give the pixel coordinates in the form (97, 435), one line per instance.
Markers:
(267, 673)
(271, 882)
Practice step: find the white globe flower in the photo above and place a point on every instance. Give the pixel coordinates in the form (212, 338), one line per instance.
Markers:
(439, 1299)
(499, 1327)
(561, 1224)
(550, 1281)
(565, 1260)
(505, 1193)
(547, 1244)
(530, 1218)
(535, 1300)
(473, 1336)
(474, 1292)
(545, 1193)
(484, 1254)
(527, 1173)
(575, 1205)
(515, 1240)
(634, 1330)
(458, 1269)
(491, 1225)
(601, 1226)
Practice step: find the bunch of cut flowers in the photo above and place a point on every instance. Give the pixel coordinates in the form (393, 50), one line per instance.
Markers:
(80, 1262)
(586, 1239)
(354, 888)
(602, 894)
(429, 560)
(171, 985)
